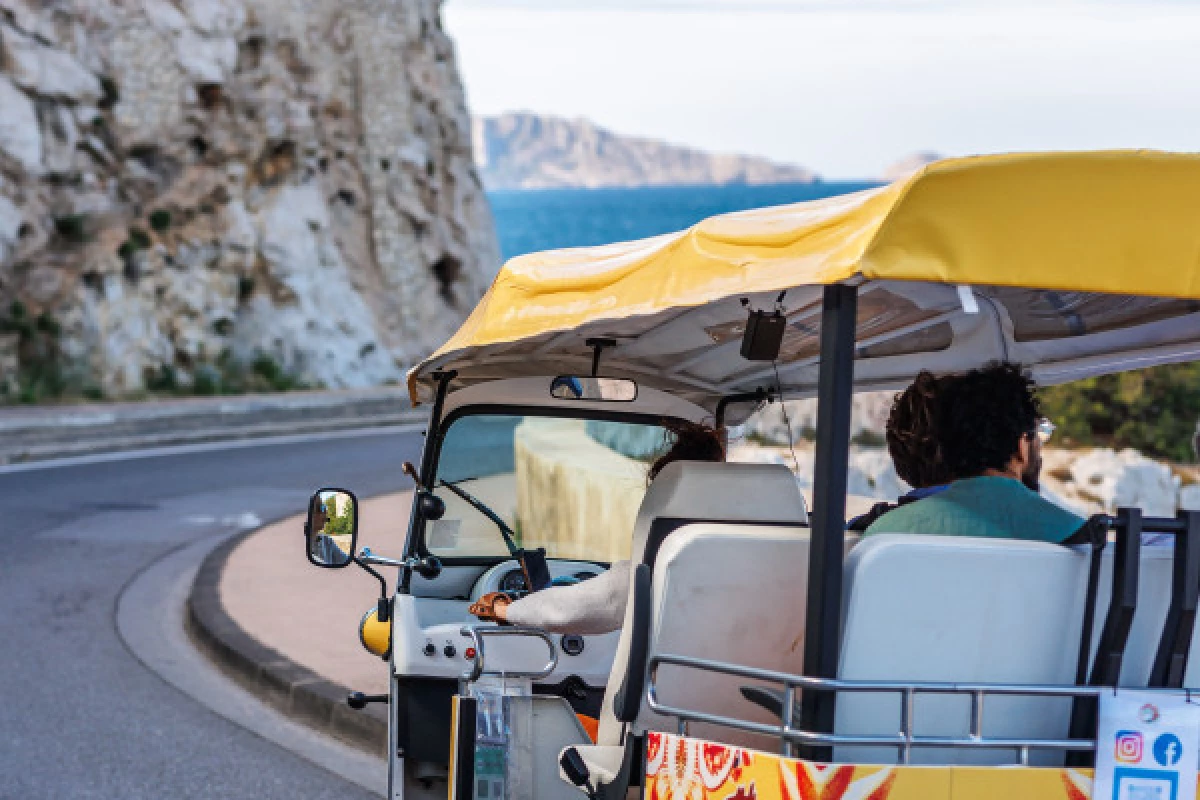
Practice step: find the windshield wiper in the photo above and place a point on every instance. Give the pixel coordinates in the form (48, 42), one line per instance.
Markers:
(533, 562)
(510, 536)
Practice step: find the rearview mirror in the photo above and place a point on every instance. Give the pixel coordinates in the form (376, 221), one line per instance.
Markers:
(573, 387)
(331, 531)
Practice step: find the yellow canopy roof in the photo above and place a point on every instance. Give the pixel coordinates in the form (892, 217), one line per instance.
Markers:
(1079, 263)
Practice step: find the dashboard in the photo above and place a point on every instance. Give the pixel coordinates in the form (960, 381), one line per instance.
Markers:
(429, 643)
(507, 576)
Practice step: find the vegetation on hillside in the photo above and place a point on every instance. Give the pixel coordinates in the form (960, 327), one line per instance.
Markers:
(1153, 410)
(40, 371)
(44, 375)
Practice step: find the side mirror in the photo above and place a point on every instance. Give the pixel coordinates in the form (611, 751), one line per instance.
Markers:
(331, 530)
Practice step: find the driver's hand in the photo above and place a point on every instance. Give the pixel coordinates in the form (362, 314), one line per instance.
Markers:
(492, 607)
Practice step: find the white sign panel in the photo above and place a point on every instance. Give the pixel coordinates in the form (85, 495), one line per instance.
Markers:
(1147, 747)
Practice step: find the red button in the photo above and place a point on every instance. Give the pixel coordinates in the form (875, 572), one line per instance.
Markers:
(469, 654)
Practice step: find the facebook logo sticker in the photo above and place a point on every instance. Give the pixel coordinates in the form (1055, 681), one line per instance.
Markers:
(1168, 750)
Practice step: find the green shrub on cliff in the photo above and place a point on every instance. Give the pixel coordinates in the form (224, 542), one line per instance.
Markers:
(160, 220)
(1152, 410)
(40, 373)
(72, 228)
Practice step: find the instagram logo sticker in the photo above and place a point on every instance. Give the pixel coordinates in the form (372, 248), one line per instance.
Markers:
(1129, 747)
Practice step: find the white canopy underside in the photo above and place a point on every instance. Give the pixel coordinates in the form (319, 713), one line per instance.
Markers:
(902, 328)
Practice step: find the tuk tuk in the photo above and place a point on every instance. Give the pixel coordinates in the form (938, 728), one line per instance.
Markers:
(765, 652)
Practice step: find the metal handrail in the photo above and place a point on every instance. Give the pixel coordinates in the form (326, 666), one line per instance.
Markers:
(479, 632)
(905, 740)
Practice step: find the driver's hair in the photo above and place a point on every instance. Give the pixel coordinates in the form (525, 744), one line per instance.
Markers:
(690, 441)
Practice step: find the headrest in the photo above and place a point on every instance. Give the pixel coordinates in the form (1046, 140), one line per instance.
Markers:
(720, 492)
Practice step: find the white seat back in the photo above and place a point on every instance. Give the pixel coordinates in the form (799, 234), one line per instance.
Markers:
(732, 593)
(936, 608)
(701, 492)
(718, 492)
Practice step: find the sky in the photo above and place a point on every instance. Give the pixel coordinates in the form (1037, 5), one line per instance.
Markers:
(845, 87)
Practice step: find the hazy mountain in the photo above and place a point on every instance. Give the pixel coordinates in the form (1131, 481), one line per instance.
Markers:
(909, 164)
(530, 151)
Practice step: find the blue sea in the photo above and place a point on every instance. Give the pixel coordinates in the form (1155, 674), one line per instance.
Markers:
(544, 219)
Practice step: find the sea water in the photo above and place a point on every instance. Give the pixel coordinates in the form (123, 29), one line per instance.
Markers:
(544, 219)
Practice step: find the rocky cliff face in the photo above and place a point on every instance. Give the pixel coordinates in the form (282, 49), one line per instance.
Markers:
(531, 151)
(188, 187)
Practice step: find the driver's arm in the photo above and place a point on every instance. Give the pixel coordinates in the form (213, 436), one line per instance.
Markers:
(596, 605)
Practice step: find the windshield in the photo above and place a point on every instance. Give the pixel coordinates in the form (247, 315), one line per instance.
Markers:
(571, 486)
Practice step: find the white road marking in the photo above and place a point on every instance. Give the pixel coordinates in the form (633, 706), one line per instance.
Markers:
(244, 521)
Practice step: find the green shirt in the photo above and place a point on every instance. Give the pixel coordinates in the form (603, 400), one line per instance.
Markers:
(989, 506)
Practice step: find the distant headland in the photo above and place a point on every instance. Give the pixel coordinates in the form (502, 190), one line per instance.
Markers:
(523, 150)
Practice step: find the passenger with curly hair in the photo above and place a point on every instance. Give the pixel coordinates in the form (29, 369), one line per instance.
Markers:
(912, 435)
(912, 442)
(989, 426)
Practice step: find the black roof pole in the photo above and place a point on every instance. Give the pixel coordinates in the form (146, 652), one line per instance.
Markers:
(835, 390)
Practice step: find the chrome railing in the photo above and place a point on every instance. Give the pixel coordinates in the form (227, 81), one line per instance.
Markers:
(904, 740)
(479, 633)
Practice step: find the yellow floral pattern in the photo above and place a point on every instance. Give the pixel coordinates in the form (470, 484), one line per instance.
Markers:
(681, 768)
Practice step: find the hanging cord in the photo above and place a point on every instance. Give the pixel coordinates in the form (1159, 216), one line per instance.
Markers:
(787, 422)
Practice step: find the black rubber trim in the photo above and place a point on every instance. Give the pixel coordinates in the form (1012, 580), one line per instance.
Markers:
(1106, 670)
(1093, 533)
(423, 712)
(770, 699)
(582, 698)
(1171, 659)
(759, 396)
(463, 778)
(633, 765)
(629, 698)
(1110, 651)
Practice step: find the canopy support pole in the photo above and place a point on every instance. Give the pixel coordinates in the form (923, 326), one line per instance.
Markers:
(835, 391)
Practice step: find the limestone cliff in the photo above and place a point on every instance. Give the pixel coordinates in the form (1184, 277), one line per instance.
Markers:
(190, 185)
(532, 151)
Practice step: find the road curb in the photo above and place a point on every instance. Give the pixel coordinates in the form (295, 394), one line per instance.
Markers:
(274, 678)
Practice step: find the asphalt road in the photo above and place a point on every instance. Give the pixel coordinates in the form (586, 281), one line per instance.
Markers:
(80, 716)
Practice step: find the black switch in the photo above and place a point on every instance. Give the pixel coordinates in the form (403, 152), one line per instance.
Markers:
(571, 644)
(430, 650)
(449, 651)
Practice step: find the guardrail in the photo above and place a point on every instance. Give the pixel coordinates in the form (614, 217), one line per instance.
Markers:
(904, 741)
(29, 433)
